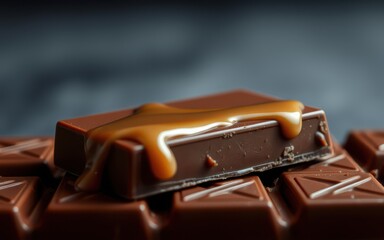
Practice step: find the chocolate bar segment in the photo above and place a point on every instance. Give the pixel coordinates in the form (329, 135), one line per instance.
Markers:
(219, 154)
(341, 161)
(367, 147)
(317, 200)
(26, 156)
(329, 199)
(153, 124)
(20, 200)
(334, 205)
(234, 209)
(95, 216)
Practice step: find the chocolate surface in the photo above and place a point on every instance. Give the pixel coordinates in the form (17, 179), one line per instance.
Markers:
(94, 216)
(336, 203)
(367, 147)
(218, 154)
(21, 200)
(153, 124)
(332, 198)
(25, 155)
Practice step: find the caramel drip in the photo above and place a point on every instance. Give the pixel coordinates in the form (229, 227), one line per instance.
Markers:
(153, 124)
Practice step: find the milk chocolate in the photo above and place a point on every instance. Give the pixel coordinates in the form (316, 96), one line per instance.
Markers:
(233, 209)
(331, 198)
(328, 199)
(153, 124)
(341, 161)
(20, 200)
(71, 214)
(26, 156)
(334, 205)
(367, 147)
(245, 147)
(321, 200)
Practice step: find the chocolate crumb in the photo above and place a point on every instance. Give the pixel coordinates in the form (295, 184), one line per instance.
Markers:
(288, 153)
(228, 135)
(211, 162)
(320, 139)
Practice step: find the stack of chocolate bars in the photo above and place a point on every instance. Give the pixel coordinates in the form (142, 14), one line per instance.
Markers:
(235, 165)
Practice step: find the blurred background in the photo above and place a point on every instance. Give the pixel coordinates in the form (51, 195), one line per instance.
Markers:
(63, 61)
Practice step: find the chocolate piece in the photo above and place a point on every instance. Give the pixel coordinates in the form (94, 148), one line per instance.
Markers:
(19, 206)
(26, 156)
(340, 162)
(322, 200)
(334, 205)
(95, 216)
(367, 147)
(153, 124)
(234, 209)
(329, 199)
(237, 150)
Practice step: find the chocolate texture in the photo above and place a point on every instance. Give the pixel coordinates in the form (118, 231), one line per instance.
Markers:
(322, 199)
(329, 197)
(367, 147)
(245, 147)
(24, 156)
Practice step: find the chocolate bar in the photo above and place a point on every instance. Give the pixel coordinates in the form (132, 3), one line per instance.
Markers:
(332, 198)
(327, 199)
(367, 147)
(25, 156)
(257, 144)
(338, 202)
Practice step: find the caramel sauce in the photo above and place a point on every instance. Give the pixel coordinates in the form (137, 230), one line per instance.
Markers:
(153, 124)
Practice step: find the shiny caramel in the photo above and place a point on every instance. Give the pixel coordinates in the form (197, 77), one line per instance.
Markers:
(153, 124)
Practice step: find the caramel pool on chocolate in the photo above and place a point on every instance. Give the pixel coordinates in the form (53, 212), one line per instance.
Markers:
(153, 124)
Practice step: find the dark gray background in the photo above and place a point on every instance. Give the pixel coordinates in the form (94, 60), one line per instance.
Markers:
(58, 63)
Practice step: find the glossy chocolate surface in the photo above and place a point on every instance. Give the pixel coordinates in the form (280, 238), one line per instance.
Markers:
(245, 147)
(152, 125)
(332, 198)
(23, 156)
(94, 216)
(335, 197)
(367, 147)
